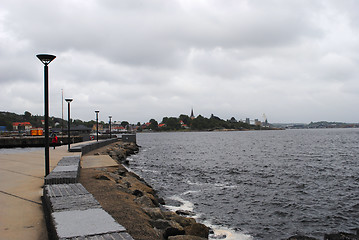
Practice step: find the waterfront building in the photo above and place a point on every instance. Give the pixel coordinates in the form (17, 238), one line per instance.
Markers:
(257, 122)
(100, 128)
(17, 126)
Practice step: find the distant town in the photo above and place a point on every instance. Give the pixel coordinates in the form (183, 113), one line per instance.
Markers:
(28, 124)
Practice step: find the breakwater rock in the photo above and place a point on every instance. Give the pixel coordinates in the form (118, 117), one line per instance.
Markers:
(119, 151)
(135, 204)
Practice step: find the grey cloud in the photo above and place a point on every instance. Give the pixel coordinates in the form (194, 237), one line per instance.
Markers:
(145, 59)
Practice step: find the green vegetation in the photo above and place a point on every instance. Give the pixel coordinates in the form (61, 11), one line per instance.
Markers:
(181, 123)
(8, 118)
(200, 123)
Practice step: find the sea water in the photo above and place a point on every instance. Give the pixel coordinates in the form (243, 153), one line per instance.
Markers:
(257, 184)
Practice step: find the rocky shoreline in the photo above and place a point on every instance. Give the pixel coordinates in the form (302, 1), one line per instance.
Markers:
(150, 220)
(136, 205)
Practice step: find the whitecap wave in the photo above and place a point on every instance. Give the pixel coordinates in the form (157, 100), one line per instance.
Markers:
(224, 233)
(220, 232)
(185, 205)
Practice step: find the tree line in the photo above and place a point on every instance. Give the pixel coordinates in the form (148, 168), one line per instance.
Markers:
(200, 123)
(183, 122)
(8, 118)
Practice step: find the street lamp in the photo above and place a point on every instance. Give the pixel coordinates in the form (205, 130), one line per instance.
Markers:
(97, 124)
(46, 59)
(110, 126)
(68, 100)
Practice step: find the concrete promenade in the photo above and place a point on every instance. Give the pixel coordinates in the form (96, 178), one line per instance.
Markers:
(21, 183)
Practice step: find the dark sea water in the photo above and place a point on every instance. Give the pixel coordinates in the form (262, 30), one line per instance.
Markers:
(257, 184)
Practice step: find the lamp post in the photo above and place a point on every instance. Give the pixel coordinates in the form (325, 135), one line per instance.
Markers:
(110, 125)
(97, 124)
(68, 100)
(62, 112)
(46, 59)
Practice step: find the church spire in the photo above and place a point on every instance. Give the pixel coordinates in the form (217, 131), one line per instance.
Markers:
(192, 115)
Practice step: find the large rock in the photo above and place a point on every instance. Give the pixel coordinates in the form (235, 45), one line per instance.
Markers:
(145, 202)
(172, 231)
(154, 213)
(186, 237)
(164, 224)
(183, 221)
(301, 238)
(184, 213)
(197, 229)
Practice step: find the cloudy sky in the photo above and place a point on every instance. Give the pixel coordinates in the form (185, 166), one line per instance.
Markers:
(294, 60)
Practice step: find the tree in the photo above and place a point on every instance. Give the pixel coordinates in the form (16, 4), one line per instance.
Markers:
(124, 124)
(200, 123)
(185, 119)
(153, 125)
(27, 116)
(172, 123)
(233, 120)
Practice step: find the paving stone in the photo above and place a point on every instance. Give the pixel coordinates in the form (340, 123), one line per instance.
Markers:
(69, 224)
(69, 160)
(70, 168)
(109, 236)
(63, 190)
(76, 149)
(61, 177)
(70, 203)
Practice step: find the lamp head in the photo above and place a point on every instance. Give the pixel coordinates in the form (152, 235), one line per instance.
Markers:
(68, 100)
(110, 117)
(45, 58)
(97, 111)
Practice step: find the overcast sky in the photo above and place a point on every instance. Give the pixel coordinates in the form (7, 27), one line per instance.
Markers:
(294, 60)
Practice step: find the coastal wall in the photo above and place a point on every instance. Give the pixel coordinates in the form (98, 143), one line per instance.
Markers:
(71, 211)
(90, 146)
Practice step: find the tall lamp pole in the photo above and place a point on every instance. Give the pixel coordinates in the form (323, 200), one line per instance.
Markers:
(97, 124)
(62, 112)
(110, 126)
(68, 100)
(46, 59)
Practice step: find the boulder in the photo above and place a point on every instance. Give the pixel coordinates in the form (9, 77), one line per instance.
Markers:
(164, 224)
(186, 237)
(112, 153)
(145, 202)
(298, 237)
(154, 213)
(160, 223)
(122, 171)
(197, 229)
(102, 177)
(183, 221)
(184, 212)
(137, 193)
(172, 231)
(169, 214)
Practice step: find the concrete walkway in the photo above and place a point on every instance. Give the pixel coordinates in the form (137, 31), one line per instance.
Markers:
(21, 182)
(94, 161)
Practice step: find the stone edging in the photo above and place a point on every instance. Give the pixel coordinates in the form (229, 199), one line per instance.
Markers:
(88, 147)
(71, 211)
